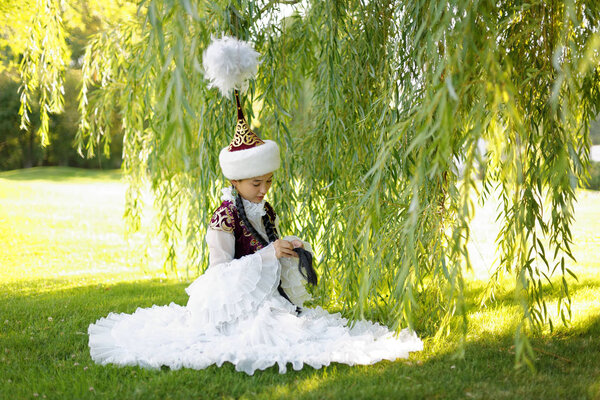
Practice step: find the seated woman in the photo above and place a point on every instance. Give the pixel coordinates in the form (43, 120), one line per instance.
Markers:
(247, 308)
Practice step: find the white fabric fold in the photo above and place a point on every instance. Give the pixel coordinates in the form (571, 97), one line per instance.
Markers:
(231, 290)
(272, 335)
(235, 314)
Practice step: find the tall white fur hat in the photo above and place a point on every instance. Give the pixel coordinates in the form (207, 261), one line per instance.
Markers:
(228, 64)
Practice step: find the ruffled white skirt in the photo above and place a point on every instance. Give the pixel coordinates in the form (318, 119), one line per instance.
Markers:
(235, 314)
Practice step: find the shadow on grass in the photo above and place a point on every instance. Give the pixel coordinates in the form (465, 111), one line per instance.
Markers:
(566, 368)
(61, 174)
(46, 338)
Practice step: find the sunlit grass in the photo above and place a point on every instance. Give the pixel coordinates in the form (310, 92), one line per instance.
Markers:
(585, 290)
(66, 262)
(65, 226)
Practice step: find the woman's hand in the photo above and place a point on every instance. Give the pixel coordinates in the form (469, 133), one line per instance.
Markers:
(284, 248)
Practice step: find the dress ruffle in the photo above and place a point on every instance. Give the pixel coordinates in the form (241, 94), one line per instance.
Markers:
(234, 314)
(231, 290)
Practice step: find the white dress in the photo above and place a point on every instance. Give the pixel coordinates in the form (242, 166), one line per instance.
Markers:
(235, 314)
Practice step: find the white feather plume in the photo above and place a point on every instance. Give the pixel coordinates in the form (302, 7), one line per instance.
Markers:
(229, 63)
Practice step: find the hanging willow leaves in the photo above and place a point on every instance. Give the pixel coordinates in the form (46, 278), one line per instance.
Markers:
(374, 105)
(43, 65)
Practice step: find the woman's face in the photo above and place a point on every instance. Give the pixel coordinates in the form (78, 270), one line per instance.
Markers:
(254, 189)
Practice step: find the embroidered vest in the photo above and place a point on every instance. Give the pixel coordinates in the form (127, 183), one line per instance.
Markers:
(226, 218)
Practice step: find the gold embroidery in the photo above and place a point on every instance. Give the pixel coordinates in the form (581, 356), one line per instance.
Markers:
(244, 136)
(246, 232)
(222, 221)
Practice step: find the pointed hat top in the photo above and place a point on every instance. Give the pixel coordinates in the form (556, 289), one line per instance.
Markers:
(243, 138)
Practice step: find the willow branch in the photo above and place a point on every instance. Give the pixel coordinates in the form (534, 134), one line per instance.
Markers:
(272, 3)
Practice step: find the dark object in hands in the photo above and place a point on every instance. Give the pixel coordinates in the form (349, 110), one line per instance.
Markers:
(305, 265)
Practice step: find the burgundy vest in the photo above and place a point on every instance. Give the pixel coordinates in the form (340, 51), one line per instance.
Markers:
(226, 218)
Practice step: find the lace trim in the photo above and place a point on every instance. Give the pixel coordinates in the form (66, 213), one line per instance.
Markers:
(253, 210)
(226, 195)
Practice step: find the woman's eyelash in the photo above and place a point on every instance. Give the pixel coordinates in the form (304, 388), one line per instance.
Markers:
(258, 184)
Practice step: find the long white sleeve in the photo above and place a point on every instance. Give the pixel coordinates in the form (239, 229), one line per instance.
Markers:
(221, 247)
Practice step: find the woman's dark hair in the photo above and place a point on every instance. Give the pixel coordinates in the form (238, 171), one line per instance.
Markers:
(269, 226)
(305, 258)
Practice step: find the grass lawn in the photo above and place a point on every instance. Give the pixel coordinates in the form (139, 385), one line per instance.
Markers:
(64, 262)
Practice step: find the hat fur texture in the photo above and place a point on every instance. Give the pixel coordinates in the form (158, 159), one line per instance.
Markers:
(250, 163)
(229, 63)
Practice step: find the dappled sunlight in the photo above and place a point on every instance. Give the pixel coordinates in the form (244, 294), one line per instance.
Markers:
(65, 255)
(304, 386)
(498, 320)
(585, 308)
(500, 315)
(486, 371)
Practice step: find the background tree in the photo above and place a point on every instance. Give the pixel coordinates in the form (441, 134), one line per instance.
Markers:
(373, 104)
(17, 149)
(32, 31)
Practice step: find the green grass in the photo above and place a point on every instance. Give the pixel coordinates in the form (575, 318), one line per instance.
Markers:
(65, 263)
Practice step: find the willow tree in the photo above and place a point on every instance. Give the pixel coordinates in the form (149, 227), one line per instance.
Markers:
(373, 103)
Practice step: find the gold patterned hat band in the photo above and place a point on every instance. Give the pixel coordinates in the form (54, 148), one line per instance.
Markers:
(247, 156)
(243, 138)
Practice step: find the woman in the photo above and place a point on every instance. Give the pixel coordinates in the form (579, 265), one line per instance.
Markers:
(247, 308)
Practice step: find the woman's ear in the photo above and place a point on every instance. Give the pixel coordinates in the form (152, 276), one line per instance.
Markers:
(234, 183)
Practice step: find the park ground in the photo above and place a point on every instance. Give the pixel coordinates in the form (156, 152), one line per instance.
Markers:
(65, 261)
